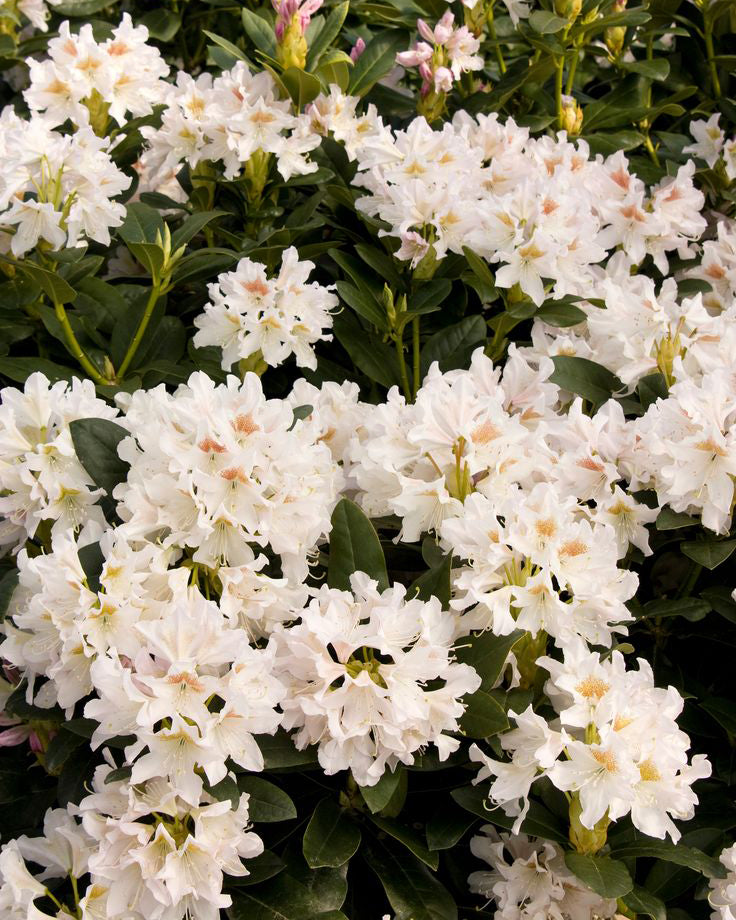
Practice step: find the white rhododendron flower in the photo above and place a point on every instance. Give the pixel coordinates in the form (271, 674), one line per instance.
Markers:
(221, 470)
(251, 314)
(624, 753)
(722, 895)
(358, 665)
(528, 880)
(41, 478)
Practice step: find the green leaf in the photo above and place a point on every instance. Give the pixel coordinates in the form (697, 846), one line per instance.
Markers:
(447, 826)
(483, 716)
(259, 33)
(92, 559)
(203, 263)
(376, 360)
(376, 61)
(667, 519)
(192, 226)
(453, 345)
(51, 283)
(303, 87)
(678, 853)
(720, 599)
(280, 753)
(708, 553)
(331, 837)
(486, 653)
(354, 547)
(657, 69)
(83, 8)
(267, 802)
(382, 264)
(539, 822)
(96, 443)
(226, 45)
(260, 868)
(162, 24)
(412, 890)
(18, 369)
(409, 838)
(363, 303)
(142, 224)
(650, 389)
(585, 378)
(546, 23)
(607, 877)
(226, 791)
(688, 607)
(560, 313)
(641, 901)
(434, 583)
(327, 34)
(377, 797)
(428, 297)
(279, 898)
(8, 584)
(723, 711)
(60, 748)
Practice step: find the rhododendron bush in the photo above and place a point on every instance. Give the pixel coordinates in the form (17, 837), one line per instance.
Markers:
(367, 460)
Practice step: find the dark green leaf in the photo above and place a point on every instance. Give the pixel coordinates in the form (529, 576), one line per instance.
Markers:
(142, 224)
(453, 345)
(652, 848)
(363, 303)
(560, 313)
(192, 226)
(354, 547)
(546, 23)
(410, 839)
(260, 868)
(723, 711)
(412, 890)
(376, 360)
(162, 24)
(487, 653)
(720, 599)
(447, 826)
(18, 369)
(51, 283)
(708, 553)
(8, 584)
(642, 902)
(60, 748)
(259, 33)
(375, 62)
(667, 519)
(483, 716)
(688, 607)
(428, 297)
(657, 69)
(650, 389)
(585, 378)
(267, 802)
(377, 797)
(227, 46)
(539, 822)
(96, 443)
(92, 559)
(327, 34)
(331, 836)
(280, 753)
(434, 583)
(607, 877)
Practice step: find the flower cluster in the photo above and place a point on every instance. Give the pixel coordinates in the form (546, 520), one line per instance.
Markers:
(446, 53)
(252, 315)
(86, 81)
(235, 119)
(542, 208)
(57, 189)
(528, 880)
(623, 750)
(358, 665)
(722, 896)
(42, 483)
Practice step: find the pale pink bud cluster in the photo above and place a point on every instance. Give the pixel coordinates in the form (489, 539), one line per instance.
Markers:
(445, 54)
(287, 10)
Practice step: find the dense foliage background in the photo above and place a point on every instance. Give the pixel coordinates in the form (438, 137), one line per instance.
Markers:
(618, 77)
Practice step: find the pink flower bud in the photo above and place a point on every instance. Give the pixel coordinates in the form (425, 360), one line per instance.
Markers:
(357, 49)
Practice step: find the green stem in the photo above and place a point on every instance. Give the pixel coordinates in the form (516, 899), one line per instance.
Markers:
(492, 33)
(156, 291)
(416, 353)
(399, 340)
(571, 72)
(560, 65)
(715, 82)
(650, 149)
(73, 345)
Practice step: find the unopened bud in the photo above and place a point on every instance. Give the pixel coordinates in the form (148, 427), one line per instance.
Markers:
(292, 49)
(568, 9)
(586, 840)
(572, 116)
(387, 299)
(614, 36)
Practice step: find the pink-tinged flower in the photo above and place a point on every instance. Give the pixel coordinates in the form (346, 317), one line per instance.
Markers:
(357, 49)
(416, 56)
(288, 9)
